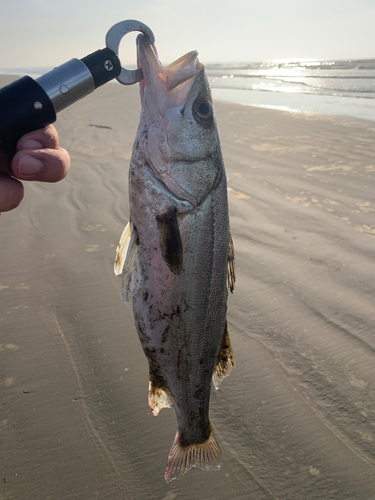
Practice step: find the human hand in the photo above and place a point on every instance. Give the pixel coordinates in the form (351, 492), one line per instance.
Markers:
(38, 158)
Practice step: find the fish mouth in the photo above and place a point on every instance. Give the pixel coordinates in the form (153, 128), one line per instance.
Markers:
(178, 75)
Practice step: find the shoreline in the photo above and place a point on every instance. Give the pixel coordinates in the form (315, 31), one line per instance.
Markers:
(298, 103)
(293, 103)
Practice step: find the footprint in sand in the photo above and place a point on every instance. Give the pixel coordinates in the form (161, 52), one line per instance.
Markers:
(357, 382)
(365, 207)
(92, 248)
(8, 347)
(89, 227)
(365, 229)
(238, 194)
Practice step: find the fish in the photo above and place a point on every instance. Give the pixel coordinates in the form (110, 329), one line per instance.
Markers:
(176, 252)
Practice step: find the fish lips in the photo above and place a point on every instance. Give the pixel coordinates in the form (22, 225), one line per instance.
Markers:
(174, 81)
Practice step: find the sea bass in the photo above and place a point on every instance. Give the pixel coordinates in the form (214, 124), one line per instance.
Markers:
(176, 253)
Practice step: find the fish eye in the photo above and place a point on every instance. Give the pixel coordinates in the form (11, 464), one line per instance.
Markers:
(202, 110)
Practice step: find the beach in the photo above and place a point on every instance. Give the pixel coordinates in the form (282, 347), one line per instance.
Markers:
(295, 419)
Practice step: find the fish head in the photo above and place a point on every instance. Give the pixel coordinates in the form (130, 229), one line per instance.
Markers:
(178, 131)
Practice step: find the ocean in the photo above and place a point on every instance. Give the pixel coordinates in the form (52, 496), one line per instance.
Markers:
(328, 87)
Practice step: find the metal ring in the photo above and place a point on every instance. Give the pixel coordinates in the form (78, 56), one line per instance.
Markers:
(113, 39)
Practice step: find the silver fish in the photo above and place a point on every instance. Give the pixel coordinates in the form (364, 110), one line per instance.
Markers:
(176, 253)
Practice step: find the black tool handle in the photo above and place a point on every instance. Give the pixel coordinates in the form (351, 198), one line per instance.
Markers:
(27, 104)
(24, 107)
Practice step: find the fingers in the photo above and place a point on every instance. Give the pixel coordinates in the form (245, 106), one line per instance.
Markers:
(11, 193)
(44, 165)
(39, 139)
(39, 157)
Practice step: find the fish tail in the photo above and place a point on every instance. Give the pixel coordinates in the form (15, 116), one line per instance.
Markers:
(206, 456)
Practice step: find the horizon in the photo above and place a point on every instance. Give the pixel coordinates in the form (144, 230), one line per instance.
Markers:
(45, 33)
(44, 69)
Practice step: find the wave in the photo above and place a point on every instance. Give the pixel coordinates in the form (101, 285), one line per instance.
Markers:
(333, 78)
(336, 94)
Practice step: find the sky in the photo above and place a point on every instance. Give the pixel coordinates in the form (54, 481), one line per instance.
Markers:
(47, 33)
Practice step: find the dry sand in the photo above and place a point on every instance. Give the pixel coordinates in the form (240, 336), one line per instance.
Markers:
(296, 419)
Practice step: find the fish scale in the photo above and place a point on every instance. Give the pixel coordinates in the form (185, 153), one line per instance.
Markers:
(176, 252)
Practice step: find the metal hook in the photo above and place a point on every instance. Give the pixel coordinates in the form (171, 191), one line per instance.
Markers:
(113, 39)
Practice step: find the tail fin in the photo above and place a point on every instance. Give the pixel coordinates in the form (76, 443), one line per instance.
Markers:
(206, 456)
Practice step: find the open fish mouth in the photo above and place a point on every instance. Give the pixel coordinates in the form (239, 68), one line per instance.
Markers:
(169, 78)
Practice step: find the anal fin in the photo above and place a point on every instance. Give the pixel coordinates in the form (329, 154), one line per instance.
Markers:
(182, 457)
(225, 361)
(158, 399)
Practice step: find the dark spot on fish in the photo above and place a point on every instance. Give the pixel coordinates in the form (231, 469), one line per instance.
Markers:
(201, 361)
(202, 415)
(186, 305)
(164, 335)
(162, 350)
(182, 369)
(136, 233)
(145, 296)
(199, 393)
(141, 328)
(155, 370)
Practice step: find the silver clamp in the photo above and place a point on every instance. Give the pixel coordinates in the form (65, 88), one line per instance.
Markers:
(113, 39)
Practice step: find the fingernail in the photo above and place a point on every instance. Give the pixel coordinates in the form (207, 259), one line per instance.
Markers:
(31, 144)
(29, 165)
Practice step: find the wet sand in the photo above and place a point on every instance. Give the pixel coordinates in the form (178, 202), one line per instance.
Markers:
(296, 419)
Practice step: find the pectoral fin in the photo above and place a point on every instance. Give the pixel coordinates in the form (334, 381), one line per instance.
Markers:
(122, 249)
(170, 240)
(225, 362)
(231, 275)
(126, 262)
